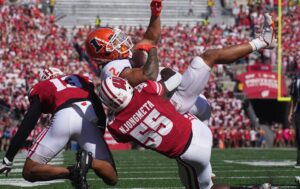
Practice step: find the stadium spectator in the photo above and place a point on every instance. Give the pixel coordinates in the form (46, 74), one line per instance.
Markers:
(191, 8)
(261, 138)
(279, 137)
(253, 137)
(286, 136)
(97, 22)
(210, 6)
(6, 136)
(51, 6)
(291, 140)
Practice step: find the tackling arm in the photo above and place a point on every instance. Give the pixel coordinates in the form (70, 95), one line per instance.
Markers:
(97, 104)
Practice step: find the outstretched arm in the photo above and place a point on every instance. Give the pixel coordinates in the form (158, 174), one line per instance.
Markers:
(153, 32)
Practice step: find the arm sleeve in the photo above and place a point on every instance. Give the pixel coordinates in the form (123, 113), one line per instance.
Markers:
(96, 102)
(24, 130)
(153, 87)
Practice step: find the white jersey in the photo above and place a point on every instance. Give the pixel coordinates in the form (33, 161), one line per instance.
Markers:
(114, 68)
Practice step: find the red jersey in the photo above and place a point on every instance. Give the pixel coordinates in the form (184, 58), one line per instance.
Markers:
(152, 122)
(53, 93)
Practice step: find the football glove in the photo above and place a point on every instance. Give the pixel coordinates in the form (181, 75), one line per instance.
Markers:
(268, 33)
(144, 47)
(6, 166)
(266, 38)
(156, 7)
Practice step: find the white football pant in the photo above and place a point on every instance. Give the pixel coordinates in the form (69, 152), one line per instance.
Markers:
(194, 164)
(77, 122)
(186, 98)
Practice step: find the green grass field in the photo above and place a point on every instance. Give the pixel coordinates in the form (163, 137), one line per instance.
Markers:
(146, 169)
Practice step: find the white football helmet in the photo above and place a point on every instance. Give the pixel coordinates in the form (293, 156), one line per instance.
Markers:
(49, 73)
(116, 93)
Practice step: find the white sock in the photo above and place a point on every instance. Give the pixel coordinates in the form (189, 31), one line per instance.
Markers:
(257, 44)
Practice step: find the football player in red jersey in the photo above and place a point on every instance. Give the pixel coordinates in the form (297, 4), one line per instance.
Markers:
(145, 115)
(76, 111)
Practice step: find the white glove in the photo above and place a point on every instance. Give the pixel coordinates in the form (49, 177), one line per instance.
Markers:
(267, 37)
(268, 33)
(6, 166)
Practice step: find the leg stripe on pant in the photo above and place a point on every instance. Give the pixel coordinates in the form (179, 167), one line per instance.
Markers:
(192, 174)
(39, 139)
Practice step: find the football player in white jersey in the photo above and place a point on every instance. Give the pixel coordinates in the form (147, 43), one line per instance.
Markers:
(112, 48)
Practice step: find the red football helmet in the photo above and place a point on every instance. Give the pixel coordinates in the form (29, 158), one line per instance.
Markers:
(107, 44)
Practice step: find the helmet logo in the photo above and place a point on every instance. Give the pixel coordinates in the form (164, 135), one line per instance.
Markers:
(96, 45)
(119, 83)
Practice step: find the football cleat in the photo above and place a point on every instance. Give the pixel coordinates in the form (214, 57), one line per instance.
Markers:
(297, 179)
(79, 171)
(268, 32)
(6, 166)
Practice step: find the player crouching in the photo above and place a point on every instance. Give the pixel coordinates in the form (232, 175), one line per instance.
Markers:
(76, 111)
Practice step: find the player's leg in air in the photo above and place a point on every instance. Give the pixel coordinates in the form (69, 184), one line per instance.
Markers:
(71, 123)
(186, 97)
(196, 76)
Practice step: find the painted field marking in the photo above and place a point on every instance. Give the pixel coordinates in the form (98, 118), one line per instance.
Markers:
(151, 188)
(170, 167)
(18, 164)
(176, 178)
(23, 159)
(22, 183)
(263, 163)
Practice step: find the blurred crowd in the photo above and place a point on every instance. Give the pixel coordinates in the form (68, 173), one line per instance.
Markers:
(251, 15)
(31, 40)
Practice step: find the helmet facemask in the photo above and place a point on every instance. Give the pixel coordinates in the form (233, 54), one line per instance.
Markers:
(119, 42)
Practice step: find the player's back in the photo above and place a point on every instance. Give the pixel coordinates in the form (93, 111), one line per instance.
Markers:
(59, 92)
(153, 122)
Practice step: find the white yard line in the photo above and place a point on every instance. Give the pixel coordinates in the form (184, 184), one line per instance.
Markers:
(19, 170)
(150, 188)
(142, 167)
(22, 183)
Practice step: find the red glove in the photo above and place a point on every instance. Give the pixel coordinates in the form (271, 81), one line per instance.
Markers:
(156, 7)
(144, 47)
